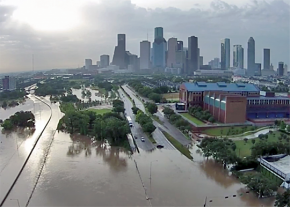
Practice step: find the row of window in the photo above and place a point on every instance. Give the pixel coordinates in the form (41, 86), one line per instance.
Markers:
(268, 102)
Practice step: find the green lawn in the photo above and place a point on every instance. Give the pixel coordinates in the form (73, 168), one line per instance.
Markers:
(218, 131)
(191, 118)
(100, 111)
(244, 148)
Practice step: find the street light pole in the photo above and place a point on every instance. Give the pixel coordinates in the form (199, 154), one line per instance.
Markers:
(15, 199)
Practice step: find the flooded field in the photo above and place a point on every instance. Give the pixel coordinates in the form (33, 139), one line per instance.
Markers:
(73, 172)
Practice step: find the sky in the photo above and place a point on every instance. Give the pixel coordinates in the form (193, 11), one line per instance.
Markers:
(62, 33)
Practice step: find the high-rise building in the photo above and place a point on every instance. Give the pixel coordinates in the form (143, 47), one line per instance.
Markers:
(258, 71)
(119, 57)
(266, 59)
(145, 55)
(251, 68)
(225, 53)
(104, 61)
(192, 55)
(200, 60)
(238, 56)
(214, 63)
(280, 70)
(133, 63)
(9, 83)
(285, 69)
(88, 63)
(179, 45)
(159, 49)
(171, 53)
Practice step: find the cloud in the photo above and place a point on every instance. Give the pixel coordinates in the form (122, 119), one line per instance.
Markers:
(267, 22)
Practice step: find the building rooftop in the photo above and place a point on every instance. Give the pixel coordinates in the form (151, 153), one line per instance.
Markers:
(221, 86)
(282, 164)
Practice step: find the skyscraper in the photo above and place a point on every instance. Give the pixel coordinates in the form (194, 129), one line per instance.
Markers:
(145, 55)
(120, 52)
(266, 59)
(171, 53)
(159, 49)
(104, 61)
(280, 69)
(251, 57)
(238, 56)
(179, 45)
(88, 63)
(225, 53)
(9, 83)
(192, 55)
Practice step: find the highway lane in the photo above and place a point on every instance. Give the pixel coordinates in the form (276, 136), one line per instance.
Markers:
(136, 130)
(157, 134)
(167, 126)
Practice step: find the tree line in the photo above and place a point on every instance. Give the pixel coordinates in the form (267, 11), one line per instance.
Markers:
(19, 119)
(111, 126)
(201, 114)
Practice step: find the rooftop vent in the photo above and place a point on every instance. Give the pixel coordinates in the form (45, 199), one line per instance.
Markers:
(201, 84)
(241, 85)
(221, 84)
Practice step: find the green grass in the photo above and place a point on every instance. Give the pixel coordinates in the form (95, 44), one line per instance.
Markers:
(150, 137)
(191, 118)
(156, 118)
(100, 111)
(178, 146)
(218, 131)
(244, 148)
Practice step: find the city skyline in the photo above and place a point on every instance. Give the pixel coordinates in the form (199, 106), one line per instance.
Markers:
(69, 48)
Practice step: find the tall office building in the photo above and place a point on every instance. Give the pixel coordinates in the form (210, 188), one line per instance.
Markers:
(180, 56)
(238, 56)
(258, 71)
(159, 49)
(225, 53)
(145, 47)
(119, 57)
(9, 83)
(192, 55)
(179, 45)
(171, 53)
(88, 63)
(104, 61)
(280, 69)
(251, 68)
(200, 61)
(266, 59)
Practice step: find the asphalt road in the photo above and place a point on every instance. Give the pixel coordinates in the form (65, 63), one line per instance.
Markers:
(166, 126)
(157, 134)
(136, 130)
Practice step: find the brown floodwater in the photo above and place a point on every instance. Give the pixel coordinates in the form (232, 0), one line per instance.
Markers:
(79, 173)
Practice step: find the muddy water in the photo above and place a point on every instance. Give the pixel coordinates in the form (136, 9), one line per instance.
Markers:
(79, 174)
(78, 93)
(16, 145)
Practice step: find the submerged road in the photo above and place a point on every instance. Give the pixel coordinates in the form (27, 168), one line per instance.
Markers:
(157, 134)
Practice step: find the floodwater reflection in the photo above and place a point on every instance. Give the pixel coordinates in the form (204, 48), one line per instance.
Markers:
(216, 172)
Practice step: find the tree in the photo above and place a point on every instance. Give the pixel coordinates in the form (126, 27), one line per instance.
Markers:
(246, 140)
(253, 141)
(152, 108)
(260, 184)
(135, 110)
(7, 125)
(168, 112)
(148, 127)
(283, 200)
(155, 97)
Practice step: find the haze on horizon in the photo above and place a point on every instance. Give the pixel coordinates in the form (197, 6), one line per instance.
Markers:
(61, 34)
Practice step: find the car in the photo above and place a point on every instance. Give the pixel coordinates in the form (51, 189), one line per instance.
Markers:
(160, 146)
(142, 139)
(135, 137)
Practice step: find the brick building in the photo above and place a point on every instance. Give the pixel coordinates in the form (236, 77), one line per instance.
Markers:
(234, 102)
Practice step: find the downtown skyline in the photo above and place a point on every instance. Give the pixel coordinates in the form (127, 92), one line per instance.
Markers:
(68, 49)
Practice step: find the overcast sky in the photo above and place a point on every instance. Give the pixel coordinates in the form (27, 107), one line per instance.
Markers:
(62, 33)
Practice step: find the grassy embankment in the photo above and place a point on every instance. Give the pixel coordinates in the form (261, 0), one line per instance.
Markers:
(193, 119)
(178, 146)
(171, 96)
(100, 111)
(244, 147)
(227, 131)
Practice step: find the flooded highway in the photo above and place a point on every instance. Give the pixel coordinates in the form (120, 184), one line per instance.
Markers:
(67, 170)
